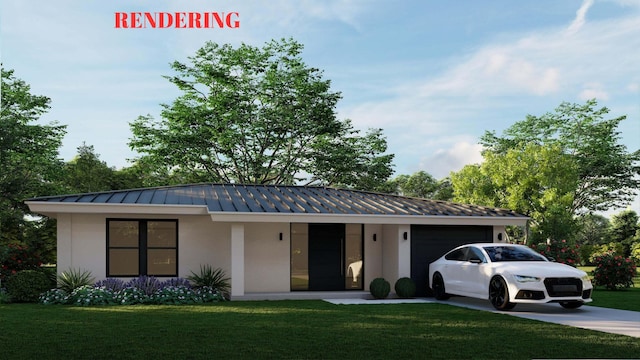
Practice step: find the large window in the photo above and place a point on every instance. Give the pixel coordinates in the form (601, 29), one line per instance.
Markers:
(142, 247)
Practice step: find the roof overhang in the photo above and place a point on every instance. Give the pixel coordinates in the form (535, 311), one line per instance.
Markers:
(51, 209)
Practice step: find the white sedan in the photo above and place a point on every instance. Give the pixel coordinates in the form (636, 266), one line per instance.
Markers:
(507, 274)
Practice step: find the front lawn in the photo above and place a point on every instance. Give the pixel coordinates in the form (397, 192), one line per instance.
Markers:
(292, 329)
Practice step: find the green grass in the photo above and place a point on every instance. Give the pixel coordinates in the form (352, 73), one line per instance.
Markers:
(292, 329)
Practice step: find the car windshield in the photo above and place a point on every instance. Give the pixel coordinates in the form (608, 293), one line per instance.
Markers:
(512, 253)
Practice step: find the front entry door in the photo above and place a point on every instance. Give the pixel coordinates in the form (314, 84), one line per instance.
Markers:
(326, 257)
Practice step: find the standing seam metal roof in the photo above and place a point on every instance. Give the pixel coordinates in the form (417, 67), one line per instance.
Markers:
(281, 199)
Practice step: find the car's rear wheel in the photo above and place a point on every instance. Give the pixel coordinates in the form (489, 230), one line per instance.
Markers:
(499, 294)
(571, 304)
(437, 285)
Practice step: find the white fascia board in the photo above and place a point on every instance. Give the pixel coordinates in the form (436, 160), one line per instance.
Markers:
(368, 219)
(52, 208)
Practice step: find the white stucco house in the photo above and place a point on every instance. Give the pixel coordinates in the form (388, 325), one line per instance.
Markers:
(272, 241)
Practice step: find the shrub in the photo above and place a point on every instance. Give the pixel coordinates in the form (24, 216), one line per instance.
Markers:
(89, 295)
(176, 295)
(209, 294)
(131, 296)
(610, 248)
(379, 288)
(54, 297)
(15, 258)
(147, 284)
(613, 271)
(72, 279)
(559, 251)
(213, 278)
(405, 287)
(26, 285)
(113, 284)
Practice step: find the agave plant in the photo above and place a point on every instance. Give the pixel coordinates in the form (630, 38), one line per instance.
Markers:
(72, 279)
(213, 278)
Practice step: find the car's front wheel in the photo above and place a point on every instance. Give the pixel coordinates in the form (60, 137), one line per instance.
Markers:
(571, 304)
(499, 294)
(437, 285)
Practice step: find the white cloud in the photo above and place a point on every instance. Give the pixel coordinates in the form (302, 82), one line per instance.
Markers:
(453, 158)
(593, 90)
(580, 18)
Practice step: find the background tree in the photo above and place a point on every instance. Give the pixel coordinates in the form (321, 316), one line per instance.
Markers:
(535, 180)
(420, 184)
(87, 173)
(29, 166)
(624, 227)
(29, 160)
(257, 115)
(609, 175)
(593, 229)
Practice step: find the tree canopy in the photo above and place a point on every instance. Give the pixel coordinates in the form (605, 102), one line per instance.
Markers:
(29, 160)
(421, 184)
(257, 115)
(609, 175)
(538, 181)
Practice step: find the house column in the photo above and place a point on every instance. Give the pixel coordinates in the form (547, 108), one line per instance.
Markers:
(404, 251)
(237, 260)
(64, 249)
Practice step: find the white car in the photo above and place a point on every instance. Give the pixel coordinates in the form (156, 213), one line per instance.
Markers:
(507, 274)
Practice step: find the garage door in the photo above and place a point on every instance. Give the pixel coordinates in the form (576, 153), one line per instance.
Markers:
(429, 242)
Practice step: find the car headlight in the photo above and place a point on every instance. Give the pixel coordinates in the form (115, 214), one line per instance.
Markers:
(525, 278)
(586, 279)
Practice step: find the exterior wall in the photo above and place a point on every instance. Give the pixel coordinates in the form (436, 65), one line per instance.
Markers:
(267, 258)
(499, 232)
(202, 242)
(390, 247)
(82, 243)
(397, 253)
(372, 253)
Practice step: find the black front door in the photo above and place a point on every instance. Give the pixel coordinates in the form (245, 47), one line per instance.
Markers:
(326, 257)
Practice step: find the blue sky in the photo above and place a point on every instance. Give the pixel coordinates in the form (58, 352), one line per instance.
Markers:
(433, 74)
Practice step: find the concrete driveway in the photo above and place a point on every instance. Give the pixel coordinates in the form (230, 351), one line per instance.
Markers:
(621, 322)
(614, 321)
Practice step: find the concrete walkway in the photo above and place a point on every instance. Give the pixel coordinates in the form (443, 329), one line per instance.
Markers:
(614, 321)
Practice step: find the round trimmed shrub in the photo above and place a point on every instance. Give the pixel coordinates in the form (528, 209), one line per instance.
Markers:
(380, 288)
(27, 285)
(405, 288)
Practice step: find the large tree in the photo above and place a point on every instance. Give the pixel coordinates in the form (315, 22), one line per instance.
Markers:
(536, 180)
(29, 162)
(257, 115)
(609, 175)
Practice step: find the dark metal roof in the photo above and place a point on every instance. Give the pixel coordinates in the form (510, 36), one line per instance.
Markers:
(281, 199)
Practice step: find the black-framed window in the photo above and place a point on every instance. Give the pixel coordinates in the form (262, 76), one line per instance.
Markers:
(138, 247)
